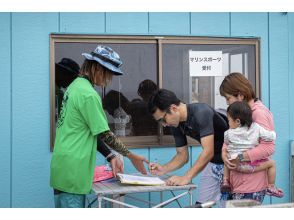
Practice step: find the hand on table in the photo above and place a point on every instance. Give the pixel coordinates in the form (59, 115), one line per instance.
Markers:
(117, 165)
(178, 181)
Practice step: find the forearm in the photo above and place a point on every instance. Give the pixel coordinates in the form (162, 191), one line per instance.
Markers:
(112, 141)
(263, 150)
(179, 160)
(200, 164)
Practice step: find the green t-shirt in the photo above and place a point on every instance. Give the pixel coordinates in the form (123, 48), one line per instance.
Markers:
(74, 156)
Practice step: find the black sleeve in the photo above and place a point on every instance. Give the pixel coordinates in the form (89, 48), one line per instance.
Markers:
(102, 148)
(205, 121)
(180, 137)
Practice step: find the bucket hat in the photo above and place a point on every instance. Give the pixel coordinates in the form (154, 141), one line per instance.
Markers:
(107, 58)
(68, 66)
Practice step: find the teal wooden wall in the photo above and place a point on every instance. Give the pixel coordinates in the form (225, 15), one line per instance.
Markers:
(5, 112)
(24, 87)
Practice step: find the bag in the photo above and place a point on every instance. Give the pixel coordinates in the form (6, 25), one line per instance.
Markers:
(103, 172)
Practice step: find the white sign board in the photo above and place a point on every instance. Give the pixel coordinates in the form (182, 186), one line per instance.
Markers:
(205, 63)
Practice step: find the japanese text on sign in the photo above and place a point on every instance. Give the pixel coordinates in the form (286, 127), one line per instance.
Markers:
(205, 63)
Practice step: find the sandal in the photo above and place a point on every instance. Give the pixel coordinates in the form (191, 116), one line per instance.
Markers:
(225, 187)
(274, 191)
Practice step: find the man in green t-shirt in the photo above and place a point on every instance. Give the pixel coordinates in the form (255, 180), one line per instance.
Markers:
(81, 121)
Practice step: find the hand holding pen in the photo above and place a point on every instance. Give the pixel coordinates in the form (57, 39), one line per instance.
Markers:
(156, 169)
(152, 165)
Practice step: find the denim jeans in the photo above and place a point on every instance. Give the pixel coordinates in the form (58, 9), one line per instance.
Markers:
(69, 200)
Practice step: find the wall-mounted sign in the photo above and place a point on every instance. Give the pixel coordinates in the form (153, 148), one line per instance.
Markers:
(205, 63)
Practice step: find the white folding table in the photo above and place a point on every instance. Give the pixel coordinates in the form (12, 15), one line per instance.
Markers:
(104, 189)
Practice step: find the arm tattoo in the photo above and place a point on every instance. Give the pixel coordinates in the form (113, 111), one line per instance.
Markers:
(112, 141)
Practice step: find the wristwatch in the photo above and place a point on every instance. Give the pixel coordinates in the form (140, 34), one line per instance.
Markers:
(241, 157)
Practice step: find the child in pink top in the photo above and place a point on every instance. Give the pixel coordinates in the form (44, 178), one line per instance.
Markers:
(235, 87)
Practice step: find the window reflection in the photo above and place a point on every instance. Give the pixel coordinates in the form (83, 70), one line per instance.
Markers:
(147, 62)
(66, 70)
(125, 99)
(142, 121)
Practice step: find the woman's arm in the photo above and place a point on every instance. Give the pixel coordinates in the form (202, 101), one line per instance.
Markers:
(263, 149)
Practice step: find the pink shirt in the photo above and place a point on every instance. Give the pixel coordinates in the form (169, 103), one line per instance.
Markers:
(254, 182)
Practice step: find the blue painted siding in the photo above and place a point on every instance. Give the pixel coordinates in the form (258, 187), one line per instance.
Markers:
(24, 85)
(291, 72)
(279, 93)
(127, 23)
(81, 23)
(203, 23)
(169, 23)
(5, 110)
(30, 113)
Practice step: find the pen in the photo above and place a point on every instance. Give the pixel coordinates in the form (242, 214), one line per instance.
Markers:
(152, 164)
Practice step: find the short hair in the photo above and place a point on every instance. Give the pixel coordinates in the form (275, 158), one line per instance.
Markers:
(235, 84)
(162, 99)
(242, 111)
(146, 88)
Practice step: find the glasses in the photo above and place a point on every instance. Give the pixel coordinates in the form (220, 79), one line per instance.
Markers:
(162, 120)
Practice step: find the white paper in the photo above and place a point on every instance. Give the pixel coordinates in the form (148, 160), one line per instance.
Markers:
(140, 180)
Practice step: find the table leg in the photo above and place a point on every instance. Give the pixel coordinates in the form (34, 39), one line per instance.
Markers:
(99, 201)
(191, 196)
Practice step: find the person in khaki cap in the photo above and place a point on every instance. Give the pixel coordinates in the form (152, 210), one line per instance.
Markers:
(81, 121)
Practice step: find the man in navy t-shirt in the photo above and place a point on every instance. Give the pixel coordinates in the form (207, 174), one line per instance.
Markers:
(201, 122)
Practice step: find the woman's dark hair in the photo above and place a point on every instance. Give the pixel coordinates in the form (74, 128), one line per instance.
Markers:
(162, 99)
(241, 111)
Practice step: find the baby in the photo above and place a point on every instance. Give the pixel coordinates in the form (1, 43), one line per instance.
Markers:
(244, 134)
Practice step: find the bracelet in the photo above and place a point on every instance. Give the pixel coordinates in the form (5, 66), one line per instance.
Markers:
(110, 157)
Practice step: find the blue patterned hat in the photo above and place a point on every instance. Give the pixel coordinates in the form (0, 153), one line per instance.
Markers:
(107, 58)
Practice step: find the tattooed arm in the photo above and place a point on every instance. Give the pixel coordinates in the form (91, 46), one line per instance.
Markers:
(112, 141)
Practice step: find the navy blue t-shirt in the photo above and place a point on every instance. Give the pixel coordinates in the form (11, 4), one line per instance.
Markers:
(202, 120)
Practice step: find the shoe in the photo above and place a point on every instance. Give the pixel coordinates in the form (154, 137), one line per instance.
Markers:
(274, 191)
(225, 187)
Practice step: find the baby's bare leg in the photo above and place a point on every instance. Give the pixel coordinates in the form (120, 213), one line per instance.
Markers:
(271, 166)
(226, 173)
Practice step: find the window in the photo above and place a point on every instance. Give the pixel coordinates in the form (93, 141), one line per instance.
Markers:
(150, 63)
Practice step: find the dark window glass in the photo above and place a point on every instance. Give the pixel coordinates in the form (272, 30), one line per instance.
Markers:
(147, 63)
(125, 98)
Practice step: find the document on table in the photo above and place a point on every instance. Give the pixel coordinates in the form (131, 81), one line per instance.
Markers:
(140, 180)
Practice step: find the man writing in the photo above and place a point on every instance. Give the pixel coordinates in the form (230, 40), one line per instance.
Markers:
(201, 122)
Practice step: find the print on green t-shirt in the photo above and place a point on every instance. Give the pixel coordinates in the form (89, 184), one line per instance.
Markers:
(63, 110)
